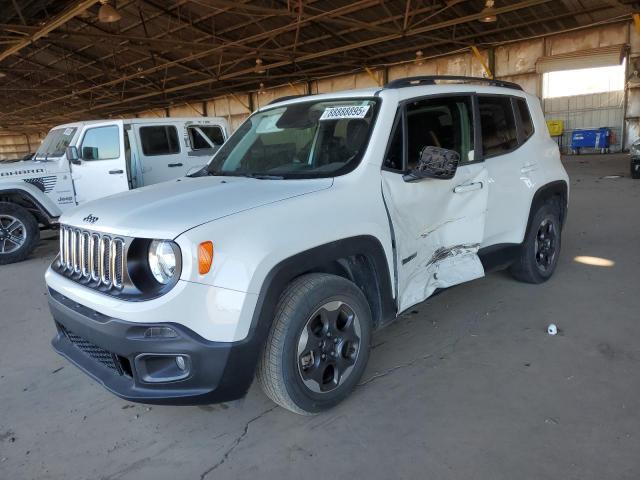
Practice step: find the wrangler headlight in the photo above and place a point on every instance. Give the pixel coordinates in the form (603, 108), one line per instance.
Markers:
(163, 260)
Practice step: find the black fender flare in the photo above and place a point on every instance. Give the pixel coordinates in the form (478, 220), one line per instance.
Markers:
(558, 188)
(43, 211)
(244, 356)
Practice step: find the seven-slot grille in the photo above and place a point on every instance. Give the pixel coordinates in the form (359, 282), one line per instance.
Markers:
(92, 256)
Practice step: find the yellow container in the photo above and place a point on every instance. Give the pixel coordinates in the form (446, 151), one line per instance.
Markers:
(556, 127)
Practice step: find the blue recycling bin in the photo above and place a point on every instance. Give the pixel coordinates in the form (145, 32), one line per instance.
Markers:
(596, 138)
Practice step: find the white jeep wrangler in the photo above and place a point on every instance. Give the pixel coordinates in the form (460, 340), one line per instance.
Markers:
(319, 221)
(82, 161)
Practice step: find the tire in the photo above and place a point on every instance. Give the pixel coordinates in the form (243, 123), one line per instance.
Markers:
(318, 345)
(19, 233)
(635, 169)
(540, 251)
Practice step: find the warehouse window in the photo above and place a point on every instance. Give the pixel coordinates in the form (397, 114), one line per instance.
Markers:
(526, 124)
(159, 140)
(499, 133)
(584, 81)
(101, 143)
(205, 137)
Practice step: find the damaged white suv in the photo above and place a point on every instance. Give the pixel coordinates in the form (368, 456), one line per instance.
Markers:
(319, 221)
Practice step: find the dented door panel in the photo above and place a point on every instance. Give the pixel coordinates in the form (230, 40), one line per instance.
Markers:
(438, 227)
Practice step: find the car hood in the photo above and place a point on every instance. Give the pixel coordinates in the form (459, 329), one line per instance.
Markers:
(168, 209)
(26, 169)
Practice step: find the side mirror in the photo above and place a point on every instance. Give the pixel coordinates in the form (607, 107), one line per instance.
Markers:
(435, 162)
(72, 155)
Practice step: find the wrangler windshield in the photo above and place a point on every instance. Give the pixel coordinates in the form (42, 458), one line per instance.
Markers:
(55, 143)
(303, 140)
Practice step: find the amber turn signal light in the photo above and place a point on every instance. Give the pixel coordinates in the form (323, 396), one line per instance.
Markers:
(205, 257)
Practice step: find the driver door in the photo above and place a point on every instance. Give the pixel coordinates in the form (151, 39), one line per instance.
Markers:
(438, 224)
(102, 168)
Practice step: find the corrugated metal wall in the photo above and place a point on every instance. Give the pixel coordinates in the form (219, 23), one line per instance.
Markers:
(588, 111)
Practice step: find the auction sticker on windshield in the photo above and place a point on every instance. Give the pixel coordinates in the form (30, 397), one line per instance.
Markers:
(350, 111)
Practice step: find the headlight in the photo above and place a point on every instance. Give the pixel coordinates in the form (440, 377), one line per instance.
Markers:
(162, 260)
(635, 149)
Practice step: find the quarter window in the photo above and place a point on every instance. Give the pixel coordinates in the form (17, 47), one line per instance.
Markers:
(499, 133)
(526, 124)
(205, 137)
(440, 122)
(393, 159)
(101, 143)
(159, 140)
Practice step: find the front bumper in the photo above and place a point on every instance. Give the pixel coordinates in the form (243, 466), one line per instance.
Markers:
(109, 350)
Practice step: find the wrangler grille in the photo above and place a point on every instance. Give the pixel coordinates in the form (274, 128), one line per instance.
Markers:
(92, 257)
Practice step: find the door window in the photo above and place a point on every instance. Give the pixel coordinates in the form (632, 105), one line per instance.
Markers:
(445, 122)
(499, 133)
(159, 140)
(203, 136)
(101, 143)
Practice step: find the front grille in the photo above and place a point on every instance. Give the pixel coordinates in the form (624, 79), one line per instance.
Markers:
(99, 354)
(92, 256)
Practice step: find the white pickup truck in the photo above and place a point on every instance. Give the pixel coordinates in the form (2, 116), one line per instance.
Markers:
(84, 161)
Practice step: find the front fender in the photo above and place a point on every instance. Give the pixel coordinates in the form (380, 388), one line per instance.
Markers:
(39, 199)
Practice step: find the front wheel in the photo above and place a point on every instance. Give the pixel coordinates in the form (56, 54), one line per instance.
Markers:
(19, 233)
(541, 248)
(318, 345)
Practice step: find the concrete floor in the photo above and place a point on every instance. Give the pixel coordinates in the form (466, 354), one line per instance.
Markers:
(467, 385)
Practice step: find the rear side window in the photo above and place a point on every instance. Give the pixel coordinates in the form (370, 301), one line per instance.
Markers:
(159, 140)
(205, 137)
(526, 124)
(499, 134)
(101, 143)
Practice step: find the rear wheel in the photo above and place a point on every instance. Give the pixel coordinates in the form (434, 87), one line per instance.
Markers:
(19, 233)
(318, 346)
(539, 255)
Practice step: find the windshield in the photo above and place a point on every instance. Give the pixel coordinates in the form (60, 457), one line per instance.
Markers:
(303, 140)
(55, 143)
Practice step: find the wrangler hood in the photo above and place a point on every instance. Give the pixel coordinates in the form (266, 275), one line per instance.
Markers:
(26, 169)
(168, 209)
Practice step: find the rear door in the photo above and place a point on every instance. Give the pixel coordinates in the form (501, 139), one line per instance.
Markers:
(438, 224)
(512, 161)
(160, 155)
(102, 169)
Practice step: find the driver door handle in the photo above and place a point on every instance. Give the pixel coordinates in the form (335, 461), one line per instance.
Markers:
(175, 165)
(115, 172)
(468, 187)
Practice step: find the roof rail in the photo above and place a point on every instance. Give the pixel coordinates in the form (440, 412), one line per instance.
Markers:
(433, 79)
(288, 97)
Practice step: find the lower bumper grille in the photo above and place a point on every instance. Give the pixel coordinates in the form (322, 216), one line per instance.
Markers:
(106, 358)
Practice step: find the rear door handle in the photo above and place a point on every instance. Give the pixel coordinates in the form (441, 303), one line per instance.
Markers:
(529, 167)
(175, 165)
(115, 172)
(468, 187)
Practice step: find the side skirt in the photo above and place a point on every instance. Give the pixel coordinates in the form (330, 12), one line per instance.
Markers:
(499, 257)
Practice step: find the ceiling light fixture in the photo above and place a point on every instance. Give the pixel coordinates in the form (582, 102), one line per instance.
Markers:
(107, 13)
(259, 68)
(419, 58)
(488, 13)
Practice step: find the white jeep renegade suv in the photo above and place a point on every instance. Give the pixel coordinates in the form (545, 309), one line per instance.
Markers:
(320, 220)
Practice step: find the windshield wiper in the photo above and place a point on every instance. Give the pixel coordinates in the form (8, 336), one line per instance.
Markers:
(262, 176)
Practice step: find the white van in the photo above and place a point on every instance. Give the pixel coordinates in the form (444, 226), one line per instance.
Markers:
(83, 161)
